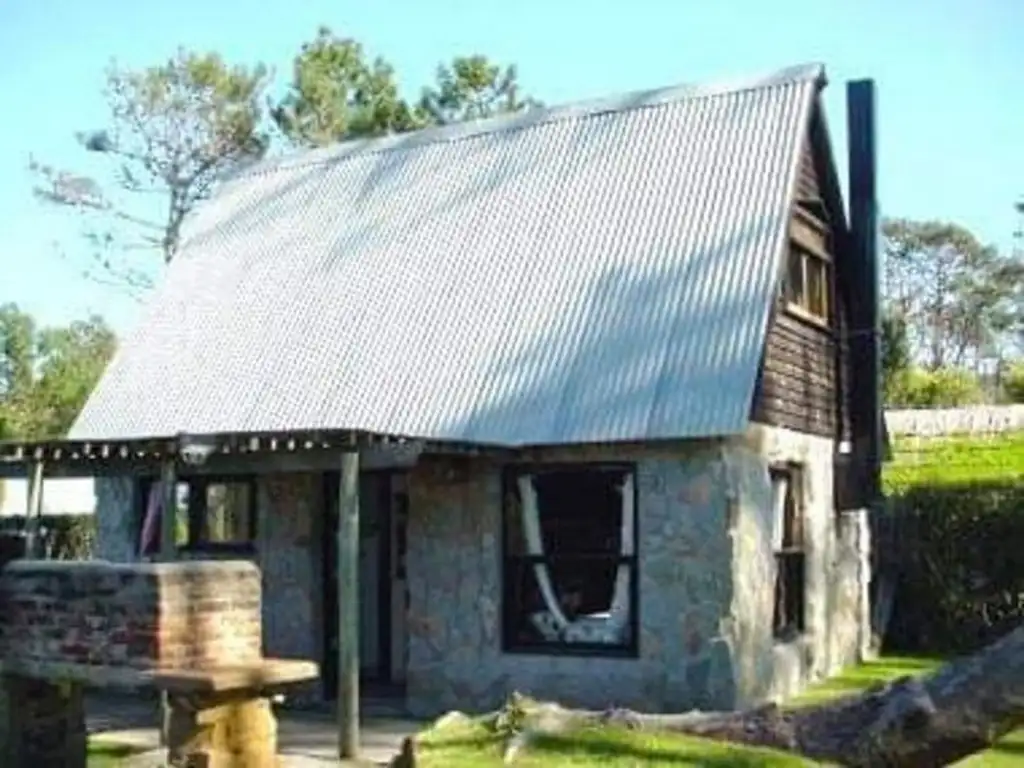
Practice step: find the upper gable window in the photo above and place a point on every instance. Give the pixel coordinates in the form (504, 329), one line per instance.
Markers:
(808, 284)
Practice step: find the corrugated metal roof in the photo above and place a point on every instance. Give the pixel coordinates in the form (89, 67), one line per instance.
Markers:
(588, 273)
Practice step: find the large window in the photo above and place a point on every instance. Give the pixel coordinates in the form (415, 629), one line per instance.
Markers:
(790, 553)
(210, 513)
(570, 559)
(808, 289)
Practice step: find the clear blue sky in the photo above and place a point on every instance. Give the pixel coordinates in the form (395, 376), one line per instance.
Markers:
(950, 79)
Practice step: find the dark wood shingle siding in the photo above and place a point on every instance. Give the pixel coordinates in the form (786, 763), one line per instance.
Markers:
(807, 187)
(805, 378)
(797, 387)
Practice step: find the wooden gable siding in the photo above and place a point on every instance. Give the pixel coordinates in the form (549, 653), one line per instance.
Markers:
(805, 379)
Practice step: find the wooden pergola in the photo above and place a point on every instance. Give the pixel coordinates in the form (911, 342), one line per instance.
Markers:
(166, 456)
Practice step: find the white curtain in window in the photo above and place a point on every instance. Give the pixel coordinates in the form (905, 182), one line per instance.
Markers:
(605, 627)
(535, 547)
(620, 599)
(780, 488)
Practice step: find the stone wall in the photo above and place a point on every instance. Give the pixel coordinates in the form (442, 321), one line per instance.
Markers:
(140, 616)
(454, 564)
(707, 572)
(290, 555)
(837, 571)
(117, 524)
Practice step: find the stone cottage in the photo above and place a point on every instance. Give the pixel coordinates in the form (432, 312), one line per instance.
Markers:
(611, 371)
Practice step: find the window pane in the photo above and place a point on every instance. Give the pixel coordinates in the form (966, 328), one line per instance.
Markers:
(229, 512)
(780, 495)
(817, 287)
(181, 500)
(789, 595)
(569, 539)
(795, 289)
(592, 601)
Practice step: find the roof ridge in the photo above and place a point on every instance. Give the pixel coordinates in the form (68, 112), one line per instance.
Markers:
(637, 99)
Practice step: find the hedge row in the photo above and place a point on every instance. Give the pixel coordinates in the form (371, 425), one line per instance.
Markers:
(65, 537)
(954, 527)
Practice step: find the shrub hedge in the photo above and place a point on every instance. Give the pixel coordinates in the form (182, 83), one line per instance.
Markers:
(65, 537)
(955, 526)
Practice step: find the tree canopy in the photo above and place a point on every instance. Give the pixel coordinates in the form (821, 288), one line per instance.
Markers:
(46, 374)
(177, 128)
(958, 298)
(337, 93)
(953, 312)
(174, 130)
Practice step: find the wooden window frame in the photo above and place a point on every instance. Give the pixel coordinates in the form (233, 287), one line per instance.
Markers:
(789, 619)
(809, 241)
(802, 307)
(196, 541)
(510, 561)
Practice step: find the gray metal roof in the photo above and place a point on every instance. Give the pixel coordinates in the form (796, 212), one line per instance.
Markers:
(596, 272)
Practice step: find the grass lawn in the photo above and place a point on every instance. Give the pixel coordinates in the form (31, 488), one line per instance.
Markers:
(1006, 753)
(472, 744)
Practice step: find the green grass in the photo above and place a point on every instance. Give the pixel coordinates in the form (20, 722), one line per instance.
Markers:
(474, 744)
(862, 677)
(1007, 753)
(954, 460)
(103, 754)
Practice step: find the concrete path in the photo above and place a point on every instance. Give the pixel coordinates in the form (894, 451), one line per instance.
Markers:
(306, 739)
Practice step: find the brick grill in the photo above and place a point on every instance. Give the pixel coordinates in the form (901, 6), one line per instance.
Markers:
(140, 615)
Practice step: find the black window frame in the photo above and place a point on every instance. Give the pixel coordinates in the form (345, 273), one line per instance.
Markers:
(509, 645)
(789, 604)
(196, 541)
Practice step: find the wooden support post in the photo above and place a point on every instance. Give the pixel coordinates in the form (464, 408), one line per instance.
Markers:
(34, 512)
(348, 607)
(168, 553)
(168, 511)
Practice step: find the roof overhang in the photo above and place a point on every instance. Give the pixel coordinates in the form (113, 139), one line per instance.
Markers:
(91, 458)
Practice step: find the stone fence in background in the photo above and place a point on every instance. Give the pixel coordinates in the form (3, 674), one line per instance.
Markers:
(191, 629)
(943, 422)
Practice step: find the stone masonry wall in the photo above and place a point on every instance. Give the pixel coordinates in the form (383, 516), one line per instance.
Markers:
(837, 575)
(454, 561)
(140, 616)
(290, 555)
(117, 527)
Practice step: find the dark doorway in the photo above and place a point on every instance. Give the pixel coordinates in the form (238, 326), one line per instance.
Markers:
(376, 572)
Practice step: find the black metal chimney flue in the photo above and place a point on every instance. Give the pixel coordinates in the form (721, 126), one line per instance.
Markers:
(864, 232)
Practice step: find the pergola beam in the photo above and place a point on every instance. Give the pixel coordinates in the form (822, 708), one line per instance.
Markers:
(69, 458)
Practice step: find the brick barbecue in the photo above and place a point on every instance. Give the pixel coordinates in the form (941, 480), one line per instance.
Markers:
(142, 616)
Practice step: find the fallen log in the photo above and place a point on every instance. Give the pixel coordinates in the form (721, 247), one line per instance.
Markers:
(962, 708)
